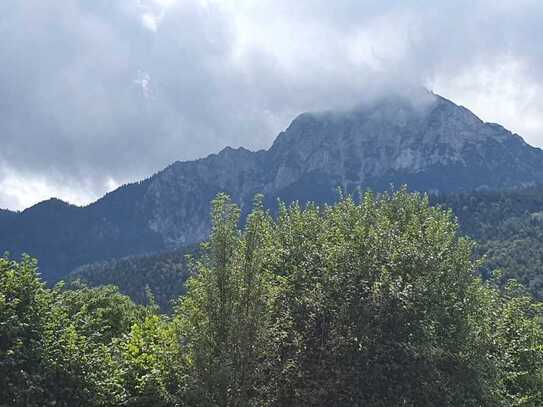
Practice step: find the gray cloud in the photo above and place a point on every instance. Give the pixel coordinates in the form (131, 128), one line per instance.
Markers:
(97, 93)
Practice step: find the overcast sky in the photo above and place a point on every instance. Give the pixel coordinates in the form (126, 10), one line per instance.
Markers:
(96, 93)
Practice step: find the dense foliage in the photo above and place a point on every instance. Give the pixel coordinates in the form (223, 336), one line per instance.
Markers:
(55, 345)
(161, 275)
(508, 226)
(371, 303)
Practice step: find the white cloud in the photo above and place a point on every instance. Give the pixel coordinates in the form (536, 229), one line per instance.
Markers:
(152, 12)
(500, 94)
(20, 192)
(150, 21)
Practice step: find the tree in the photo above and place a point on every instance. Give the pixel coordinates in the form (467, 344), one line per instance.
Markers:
(225, 317)
(56, 346)
(151, 359)
(101, 313)
(378, 306)
(24, 302)
(77, 367)
(518, 337)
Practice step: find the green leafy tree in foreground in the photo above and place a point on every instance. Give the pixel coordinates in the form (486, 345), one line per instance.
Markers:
(519, 345)
(56, 346)
(378, 307)
(24, 301)
(151, 359)
(374, 303)
(225, 317)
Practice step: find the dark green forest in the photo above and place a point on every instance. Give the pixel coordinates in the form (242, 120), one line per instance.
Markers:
(161, 276)
(508, 228)
(371, 302)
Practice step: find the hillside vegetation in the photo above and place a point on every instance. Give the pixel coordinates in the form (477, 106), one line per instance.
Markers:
(508, 226)
(160, 277)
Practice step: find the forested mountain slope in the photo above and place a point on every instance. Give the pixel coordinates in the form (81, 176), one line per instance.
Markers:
(508, 226)
(162, 275)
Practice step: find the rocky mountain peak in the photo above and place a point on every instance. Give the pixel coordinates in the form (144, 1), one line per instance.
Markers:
(392, 134)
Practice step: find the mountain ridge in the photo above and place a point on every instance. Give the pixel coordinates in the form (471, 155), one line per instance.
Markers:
(433, 145)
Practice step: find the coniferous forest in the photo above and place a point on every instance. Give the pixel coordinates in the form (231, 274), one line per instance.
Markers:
(377, 301)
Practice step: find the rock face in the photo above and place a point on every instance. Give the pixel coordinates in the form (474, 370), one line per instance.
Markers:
(431, 145)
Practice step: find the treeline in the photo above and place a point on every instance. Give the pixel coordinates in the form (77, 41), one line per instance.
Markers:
(375, 303)
(161, 276)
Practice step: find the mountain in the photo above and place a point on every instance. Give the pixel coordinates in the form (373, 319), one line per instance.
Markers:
(430, 144)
